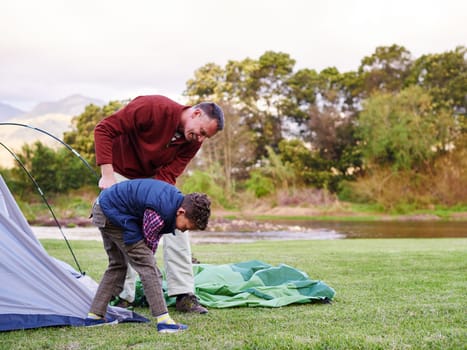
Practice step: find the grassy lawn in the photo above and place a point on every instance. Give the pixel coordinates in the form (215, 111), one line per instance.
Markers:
(390, 294)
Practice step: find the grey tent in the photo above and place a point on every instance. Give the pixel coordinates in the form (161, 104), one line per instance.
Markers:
(37, 290)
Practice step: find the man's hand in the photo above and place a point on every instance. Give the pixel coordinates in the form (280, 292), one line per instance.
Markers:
(106, 182)
(108, 178)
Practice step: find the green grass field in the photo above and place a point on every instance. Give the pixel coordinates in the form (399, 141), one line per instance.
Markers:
(390, 294)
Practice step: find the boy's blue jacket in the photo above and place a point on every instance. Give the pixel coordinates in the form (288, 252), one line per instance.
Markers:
(124, 204)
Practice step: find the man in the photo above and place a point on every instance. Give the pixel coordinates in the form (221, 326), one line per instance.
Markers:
(155, 137)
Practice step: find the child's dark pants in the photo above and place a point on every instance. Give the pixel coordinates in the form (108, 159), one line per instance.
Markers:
(138, 255)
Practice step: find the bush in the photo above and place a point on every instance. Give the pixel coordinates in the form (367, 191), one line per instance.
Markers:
(351, 191)
(442, 183)
(305, 196)
(259, 184)
(200, 181)
(448, 179)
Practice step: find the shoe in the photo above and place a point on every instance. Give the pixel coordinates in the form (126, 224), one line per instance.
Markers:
(189, 303)
(119, 302)
(171, 328)
(94, 322)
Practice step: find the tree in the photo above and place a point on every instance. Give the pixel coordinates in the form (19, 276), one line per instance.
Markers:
(403, 130)
(308, 167)
(269, 88)
(333, 136)
(232, 148)
(444, 76)
(55, 171)
(327, 107)
(226, 156)
(207, 84)
(301, 96)
(81, 138)
(385, 70)
(255, 90)
(269, 104)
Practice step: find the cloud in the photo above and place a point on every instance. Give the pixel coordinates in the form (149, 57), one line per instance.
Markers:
(107, 49)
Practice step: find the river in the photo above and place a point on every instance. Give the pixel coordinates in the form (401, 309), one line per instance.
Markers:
(299, 230)
(389, 229)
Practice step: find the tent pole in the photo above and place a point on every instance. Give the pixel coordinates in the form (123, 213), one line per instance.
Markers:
(46, 203)
(57, 139)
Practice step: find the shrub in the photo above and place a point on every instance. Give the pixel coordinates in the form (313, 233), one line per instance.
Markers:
(305, 196)
(203, 182)
(259, 184)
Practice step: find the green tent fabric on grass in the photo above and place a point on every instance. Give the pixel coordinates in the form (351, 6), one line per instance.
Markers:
(252, 283)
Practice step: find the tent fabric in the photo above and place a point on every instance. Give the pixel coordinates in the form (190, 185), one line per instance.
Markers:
(36, 290)
(254, 283)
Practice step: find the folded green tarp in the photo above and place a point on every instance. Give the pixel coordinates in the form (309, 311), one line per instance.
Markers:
(253, 283)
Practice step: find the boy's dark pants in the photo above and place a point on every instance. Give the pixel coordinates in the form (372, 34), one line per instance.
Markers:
(141, 259)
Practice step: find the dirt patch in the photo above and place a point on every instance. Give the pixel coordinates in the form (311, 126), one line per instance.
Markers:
(67, 222)
(459, 216)
(284, 211)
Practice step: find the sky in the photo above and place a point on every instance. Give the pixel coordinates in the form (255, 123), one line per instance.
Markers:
(116, 49)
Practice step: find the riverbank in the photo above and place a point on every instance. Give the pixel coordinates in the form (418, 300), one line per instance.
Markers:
(276, 233)
(261, 219)
(338, 213)
(287, 223)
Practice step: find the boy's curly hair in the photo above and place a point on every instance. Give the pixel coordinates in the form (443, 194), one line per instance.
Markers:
(197, 209)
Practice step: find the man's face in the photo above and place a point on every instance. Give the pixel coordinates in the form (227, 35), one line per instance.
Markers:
(199, 127)
(183, 223)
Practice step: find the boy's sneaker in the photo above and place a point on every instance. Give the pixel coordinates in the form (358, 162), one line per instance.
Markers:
(171, 328)
(93, 322)
(189, 303)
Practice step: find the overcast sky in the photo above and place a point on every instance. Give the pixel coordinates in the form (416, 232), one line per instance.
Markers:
(116, 49)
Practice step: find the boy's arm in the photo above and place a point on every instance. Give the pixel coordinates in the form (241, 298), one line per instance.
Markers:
(152, 225)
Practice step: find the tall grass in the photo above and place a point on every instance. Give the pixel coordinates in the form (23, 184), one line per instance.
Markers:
(391, 294)
(443, 183)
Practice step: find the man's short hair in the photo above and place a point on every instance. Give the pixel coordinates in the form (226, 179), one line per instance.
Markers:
(197, 209)
(213, 111)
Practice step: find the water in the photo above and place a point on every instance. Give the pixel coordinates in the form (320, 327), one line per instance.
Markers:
(301, 230)
(388, 229)
(248, 237)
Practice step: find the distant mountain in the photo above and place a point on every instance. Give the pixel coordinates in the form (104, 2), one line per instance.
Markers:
(72, 105)
(52, 117)
(7, 111)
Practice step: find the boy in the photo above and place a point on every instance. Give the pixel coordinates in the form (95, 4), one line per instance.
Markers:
(132, 216)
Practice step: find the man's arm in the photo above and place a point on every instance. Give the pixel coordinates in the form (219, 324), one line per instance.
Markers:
(170, 172)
